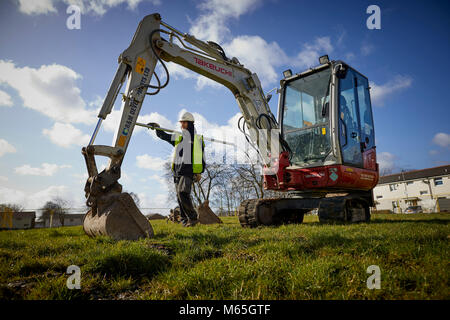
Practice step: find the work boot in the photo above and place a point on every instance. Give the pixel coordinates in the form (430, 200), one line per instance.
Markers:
(191, 223)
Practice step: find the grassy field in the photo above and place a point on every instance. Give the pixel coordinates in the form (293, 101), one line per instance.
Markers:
(306, 261)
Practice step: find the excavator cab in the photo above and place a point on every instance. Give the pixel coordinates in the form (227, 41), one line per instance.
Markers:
(325, 117)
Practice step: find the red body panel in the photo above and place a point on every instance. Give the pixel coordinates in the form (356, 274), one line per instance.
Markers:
(323, 178)
(370, 159)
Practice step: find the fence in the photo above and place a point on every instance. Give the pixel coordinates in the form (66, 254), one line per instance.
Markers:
(34, 218)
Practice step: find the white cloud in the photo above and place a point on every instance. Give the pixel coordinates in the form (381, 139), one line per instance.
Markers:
(309, 55)
(66, 135)
(433, 152)
(211, 25)
(442, 139)
(379, 93)
(37, 199)
(96, 103)
(367, 49)
(36, 6)
(349, 56)
(162, 182)
(5, 99)
(157, 203)
(3, 179)
(206, 82)
(146, 161)
(111, 123)
(80, 177)
(46, 169)
(50, 89)
(258, 56)
(254, 52)
(158, 118)
(6, 147)
(179, 72)
(48, 193)
(386, 161)
(215, 152)
(8, 195)
(97, 7)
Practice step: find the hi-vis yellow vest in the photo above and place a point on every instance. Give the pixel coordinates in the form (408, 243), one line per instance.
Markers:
(197, 156)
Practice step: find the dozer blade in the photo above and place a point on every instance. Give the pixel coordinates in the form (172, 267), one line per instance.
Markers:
(206, 215)
(118, 217)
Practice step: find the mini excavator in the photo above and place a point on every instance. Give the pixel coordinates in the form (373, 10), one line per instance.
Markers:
(319, 150)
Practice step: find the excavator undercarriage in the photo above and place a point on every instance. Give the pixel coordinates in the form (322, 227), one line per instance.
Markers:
(335, 208)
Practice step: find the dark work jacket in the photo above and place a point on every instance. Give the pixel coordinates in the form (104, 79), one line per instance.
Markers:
(182, 169)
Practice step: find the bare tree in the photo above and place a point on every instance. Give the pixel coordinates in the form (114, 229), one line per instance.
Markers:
(168, 176)
(136, 199)
(385, 171)
(57, 206)
(11, 206)
(225, 186)
(211, 178)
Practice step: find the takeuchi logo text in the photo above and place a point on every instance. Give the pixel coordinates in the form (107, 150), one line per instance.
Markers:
(213, 67)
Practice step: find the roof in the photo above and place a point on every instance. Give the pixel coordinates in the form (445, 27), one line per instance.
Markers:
(66, 216)
(74, 215)
(25, 214)
(155, 216)
(415, 174)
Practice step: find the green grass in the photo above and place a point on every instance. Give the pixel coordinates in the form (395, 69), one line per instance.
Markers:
(306, 261)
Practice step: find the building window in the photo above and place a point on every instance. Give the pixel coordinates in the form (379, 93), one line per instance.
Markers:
(379, 197)
(409, 182)
(392, 187)
(423, 192)
(438, 181)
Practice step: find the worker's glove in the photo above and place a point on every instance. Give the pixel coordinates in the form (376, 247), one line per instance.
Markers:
(197, 177)
(153, 124)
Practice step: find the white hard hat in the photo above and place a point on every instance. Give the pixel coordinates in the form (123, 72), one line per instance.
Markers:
(187, 116)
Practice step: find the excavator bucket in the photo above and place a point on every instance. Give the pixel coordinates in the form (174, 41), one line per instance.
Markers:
(206, 215)
(117, 217)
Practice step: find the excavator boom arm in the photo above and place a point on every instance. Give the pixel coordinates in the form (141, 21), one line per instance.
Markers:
(137, 68)
(137, 64)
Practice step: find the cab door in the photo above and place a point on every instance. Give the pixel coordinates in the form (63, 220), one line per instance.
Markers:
(366, 122)
(349, 121)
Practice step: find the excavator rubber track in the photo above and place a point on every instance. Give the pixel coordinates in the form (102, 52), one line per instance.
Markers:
(267, 212)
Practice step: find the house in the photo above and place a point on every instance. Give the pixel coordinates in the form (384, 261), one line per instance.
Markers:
(52, 221)
(17, 220)
(67, 220)
(155, 216)
(73, 219)
(428, 188)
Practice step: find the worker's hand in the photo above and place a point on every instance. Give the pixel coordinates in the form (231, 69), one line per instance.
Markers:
(153, 124)
(197, 177)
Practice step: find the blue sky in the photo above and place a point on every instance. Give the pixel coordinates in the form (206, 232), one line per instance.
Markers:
(52, 81)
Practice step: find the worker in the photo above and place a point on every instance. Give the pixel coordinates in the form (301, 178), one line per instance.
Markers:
(187, 164)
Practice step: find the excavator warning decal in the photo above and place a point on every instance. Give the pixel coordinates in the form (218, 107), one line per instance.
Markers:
(333, 174)
(121, 141)
(140, 65)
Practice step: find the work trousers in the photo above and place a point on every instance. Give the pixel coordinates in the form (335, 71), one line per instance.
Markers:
(183, 186)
